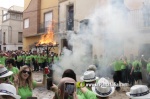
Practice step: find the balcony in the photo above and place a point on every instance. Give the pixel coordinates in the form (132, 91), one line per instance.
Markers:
(63, 26)
(45, 26)
(69, 26)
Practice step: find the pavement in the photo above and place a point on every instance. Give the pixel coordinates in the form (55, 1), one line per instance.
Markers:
(41, 92)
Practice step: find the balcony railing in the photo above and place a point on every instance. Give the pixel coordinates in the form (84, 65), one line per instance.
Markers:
(46, 25)
(66, 26)
(59, 27)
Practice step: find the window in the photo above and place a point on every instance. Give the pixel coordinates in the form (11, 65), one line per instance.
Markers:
(18, 16)
(146, 14)
(19, 48)
(4, 17)
(8, 16)
(48, 19)
(4, 48)
(19, 37)
(13, 16)
(4, 36)
(70, 18)
(26, 23)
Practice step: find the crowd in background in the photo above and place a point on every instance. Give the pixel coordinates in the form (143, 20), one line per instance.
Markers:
(16, 81)
(125, 70)
(37, 61)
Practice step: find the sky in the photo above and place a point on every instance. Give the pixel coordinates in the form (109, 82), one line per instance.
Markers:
(9, 3)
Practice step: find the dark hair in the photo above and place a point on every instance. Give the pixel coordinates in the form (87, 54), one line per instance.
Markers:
(11, 61)
(69, 73)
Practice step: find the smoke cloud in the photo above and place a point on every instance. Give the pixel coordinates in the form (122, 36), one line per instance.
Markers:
(110, 32)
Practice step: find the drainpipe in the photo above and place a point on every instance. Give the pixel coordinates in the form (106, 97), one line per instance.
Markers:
(59, 50)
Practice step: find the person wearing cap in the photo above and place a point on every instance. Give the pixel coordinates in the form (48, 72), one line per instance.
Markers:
(8, 91)
(25, 84)
(103, 89)
(11, 67)
(89, 77)
(139, 92)
(92, 68)
(4, 74)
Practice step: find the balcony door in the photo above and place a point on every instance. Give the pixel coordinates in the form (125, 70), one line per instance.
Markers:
(70, 17)
(47, 20)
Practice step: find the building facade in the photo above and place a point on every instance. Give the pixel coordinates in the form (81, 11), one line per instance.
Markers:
(72, 12)
(37, 16)
(11, 29)
(2, 10)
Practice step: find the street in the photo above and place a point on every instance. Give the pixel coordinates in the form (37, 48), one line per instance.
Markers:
(43, 93)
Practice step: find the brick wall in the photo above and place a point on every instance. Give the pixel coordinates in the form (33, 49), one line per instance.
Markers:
(33, 13)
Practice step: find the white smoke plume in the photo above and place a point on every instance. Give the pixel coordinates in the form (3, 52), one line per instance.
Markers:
(109, 34)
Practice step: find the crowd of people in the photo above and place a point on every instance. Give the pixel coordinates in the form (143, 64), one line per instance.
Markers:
(16, 70)
(16, 81)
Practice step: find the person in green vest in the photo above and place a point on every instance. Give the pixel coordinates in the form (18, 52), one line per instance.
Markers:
(28, 59)
(56, 58)
(148, 72)
(44, 58)
(19, 60)
(124, 66)
(117, 72)
(40, 61)
(2, 59)
(35, 62)
(24, 57)
(49, 59)
(136, 69)
(11, 67)
(31, 61)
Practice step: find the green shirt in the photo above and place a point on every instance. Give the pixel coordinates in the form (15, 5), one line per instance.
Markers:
(28, 59)
(35, 57)
(19, 58)
(2, 60)
(15, 71)
(24, 57)
(56, 58)
(123, 66)
(137, 66)
(49, 59)
(40, 60)
(25, 92)
(148, 67)
(117, 66)
(87, 95)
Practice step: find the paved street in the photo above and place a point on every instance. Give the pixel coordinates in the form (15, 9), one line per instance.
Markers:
(42, 92)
